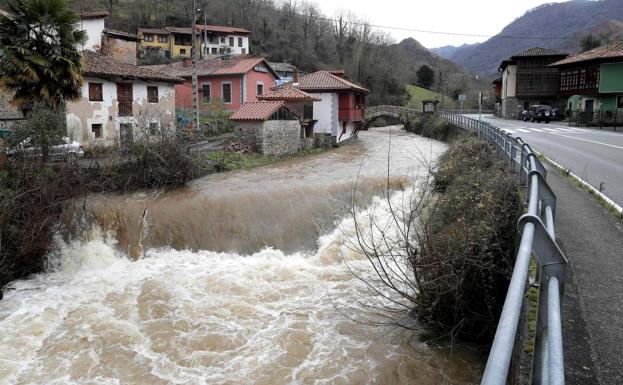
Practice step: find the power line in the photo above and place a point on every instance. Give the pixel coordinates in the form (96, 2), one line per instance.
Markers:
(405, 29)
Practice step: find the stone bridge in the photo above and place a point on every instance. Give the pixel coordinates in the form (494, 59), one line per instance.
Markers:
(404, 114)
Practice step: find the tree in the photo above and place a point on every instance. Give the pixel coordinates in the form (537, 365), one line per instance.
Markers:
(425, 76)
(590, 41)
(40, 44)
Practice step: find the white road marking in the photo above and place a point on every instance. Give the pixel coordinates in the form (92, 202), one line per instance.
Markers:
(590, 141)
(522, 130)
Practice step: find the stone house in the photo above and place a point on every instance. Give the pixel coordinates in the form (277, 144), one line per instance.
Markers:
(527, 79)
(270, 127)
(121, 102)
(302, 103)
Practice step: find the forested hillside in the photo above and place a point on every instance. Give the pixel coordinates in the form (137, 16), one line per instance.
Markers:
(298, 32)
(571, 20)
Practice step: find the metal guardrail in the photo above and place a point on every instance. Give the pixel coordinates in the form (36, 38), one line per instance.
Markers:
(538, 238)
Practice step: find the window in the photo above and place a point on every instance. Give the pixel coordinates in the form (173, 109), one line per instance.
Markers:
(206, 92)
(163, 38)
(239, 42)
(243, 51)
(620, 101)
(212, 39)
(231, 41)
(148, 37)
(226, 94)
(95, 92)
(152, 94)
(214, 51)
(223, 40)
(182, 51)
(260, 88)
(153, 129)
(96, 129)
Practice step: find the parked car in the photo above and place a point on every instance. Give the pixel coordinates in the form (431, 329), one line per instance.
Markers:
(538, 113)
(61, 149)
(558, 114)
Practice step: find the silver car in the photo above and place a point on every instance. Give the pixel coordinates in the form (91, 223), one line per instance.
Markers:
(61, 149)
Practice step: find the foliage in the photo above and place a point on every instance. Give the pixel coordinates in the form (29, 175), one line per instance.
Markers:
(43, 128)
(425, 77)
(432, 127)
(41, 59)
(449, 261)
(417, 94)
(590, 41)
(221, 161)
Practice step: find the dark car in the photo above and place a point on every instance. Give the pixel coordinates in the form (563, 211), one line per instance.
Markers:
(539, 113)
(558, 114)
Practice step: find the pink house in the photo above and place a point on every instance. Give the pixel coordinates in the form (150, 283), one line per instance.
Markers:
(233, 81)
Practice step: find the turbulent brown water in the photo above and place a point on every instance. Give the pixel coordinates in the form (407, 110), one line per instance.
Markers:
(237, 279)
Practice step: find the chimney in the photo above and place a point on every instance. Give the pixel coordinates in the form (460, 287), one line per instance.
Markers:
(186, 62)
(338, 73)
(295, 77)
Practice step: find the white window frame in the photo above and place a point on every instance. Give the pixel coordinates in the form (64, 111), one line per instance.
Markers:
(259, 83)
(231, 92)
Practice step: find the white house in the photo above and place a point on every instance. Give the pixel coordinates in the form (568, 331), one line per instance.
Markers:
(120, 101)
(220, 40)
(341, 109)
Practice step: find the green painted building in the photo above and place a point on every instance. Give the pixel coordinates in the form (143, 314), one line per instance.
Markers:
(593, 80)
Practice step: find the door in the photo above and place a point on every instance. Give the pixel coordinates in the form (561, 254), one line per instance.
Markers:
(124, 98)
(589, 105)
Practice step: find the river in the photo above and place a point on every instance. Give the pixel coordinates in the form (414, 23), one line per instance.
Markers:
(238, 278)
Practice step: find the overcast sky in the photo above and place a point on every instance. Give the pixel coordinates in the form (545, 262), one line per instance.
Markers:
(481, 17)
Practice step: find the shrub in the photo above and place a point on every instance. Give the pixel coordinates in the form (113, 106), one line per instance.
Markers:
(432, 127)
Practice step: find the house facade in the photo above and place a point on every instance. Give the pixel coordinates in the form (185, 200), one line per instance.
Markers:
(593, 80)
(230, 81)
(121, 102)
(286, 72)
(528, 79)
(340, 112)
(210, 41)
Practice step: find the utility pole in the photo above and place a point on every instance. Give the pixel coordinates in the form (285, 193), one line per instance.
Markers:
(193, 54)
(205, 32)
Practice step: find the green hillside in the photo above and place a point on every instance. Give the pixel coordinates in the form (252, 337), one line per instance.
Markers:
(417, 94)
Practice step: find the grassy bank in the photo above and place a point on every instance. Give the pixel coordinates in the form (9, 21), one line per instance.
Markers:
(417, 94)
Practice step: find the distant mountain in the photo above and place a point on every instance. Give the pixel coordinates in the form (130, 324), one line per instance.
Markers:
(572, 19)
(448, 51)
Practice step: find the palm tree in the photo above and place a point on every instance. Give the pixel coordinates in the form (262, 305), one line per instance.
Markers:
(40, 53)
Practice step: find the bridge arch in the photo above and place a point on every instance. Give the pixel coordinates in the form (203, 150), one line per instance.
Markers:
(404, 114)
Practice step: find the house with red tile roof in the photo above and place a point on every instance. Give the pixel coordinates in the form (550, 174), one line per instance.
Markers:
(271, 127)
(121, 102)
(233, 81)
(340, 112)
(593, 80)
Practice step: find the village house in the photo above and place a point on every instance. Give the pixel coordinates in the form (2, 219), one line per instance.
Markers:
(232, 81)
(210, 41)
(119, 99)
(286, 72)
(269, 127)
(527, 79)
(593, 80)
(340, 112)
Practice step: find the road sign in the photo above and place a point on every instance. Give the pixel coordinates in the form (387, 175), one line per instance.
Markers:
(461, 97)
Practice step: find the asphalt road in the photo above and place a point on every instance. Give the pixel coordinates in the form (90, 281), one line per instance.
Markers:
(594, 155)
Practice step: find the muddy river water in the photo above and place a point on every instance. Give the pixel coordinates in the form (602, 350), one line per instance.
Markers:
(238, 278)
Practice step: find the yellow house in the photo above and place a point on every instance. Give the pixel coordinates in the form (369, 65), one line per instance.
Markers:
(172, 42)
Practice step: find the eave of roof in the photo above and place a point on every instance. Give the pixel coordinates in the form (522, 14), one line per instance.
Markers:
(260, 111)
(93, 14)
(608, 52)
(325, 81)
(121, 34)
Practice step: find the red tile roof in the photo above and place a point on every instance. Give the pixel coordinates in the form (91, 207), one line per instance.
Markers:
(538, 51)
(121, 34)
(161, 31)
(259, 111)
(609, 51)
(102, 66)
(223, 29)
(213, 67)
(289, 93)
(325, 81)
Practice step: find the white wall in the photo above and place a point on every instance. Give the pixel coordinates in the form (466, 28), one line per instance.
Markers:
(83, 114)
(326, 113)
(94, 29)
(235, 50)
(509, 87)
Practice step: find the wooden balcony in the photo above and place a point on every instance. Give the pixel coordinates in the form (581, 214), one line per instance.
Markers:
(351, 114)
(125, 108)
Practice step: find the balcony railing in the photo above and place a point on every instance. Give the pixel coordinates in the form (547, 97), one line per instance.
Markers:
(125, 109)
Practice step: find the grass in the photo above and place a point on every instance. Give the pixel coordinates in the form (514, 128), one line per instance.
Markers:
(532, 295)
(417, 94)
(223, 161)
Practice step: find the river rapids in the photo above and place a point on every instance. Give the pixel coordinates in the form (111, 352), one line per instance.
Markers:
(239, 278)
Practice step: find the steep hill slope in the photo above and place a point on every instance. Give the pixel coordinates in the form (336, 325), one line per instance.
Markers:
(571, 19)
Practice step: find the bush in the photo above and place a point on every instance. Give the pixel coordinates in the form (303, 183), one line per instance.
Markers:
(432, 127)
(466, 255)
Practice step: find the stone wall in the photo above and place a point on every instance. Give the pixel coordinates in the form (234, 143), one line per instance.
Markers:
(279, 137)
(119, 49)
(246, 133)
